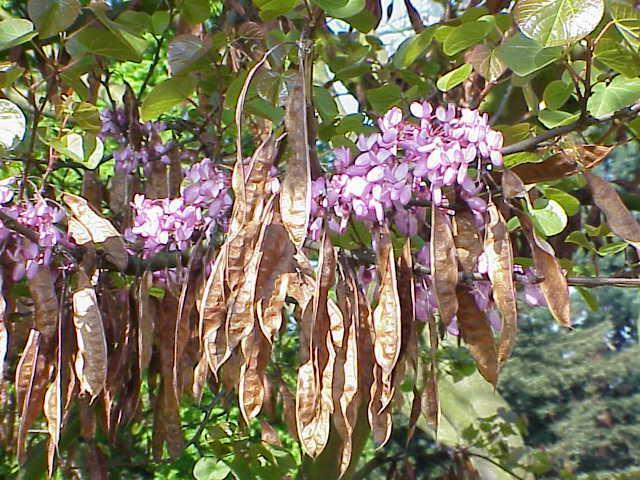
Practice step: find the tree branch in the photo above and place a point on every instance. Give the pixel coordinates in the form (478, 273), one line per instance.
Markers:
(531, 143)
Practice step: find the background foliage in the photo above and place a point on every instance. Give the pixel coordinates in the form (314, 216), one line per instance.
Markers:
(106, 100)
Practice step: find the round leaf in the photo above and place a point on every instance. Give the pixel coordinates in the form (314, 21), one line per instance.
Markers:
(12, 124)
(208, 468)
(525, 56)
(550, 219)
(558, 22)
(15, 31)
(53, 16)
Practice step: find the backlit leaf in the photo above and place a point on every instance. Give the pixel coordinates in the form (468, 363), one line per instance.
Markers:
(486, 62)
(454, 78)
(12, 124)
(620, 93)
(558, 22)
(15, 31)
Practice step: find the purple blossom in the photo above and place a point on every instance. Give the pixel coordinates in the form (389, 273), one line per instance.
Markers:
(41, 217)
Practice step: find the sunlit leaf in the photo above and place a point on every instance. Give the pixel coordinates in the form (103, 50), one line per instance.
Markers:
(486, 62)
(15, 31)
(558, 22)
(13, 124)
(620, 93)
(454, 78)
(550, 219)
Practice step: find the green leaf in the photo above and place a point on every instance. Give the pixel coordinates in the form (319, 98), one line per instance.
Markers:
(53, 16)
(325, 104)
(160, 21)
(615, 54)
(265, 109)
(634, 126)
(549, 219)
(165, 96)
(87, 116)
(558, 22)
(519, 158)
(364, 22)
(557, 118)
(195, 11)
(515, 133)
(525, 56)
(627, 21)
(580, 239)
(85, 149)
(412, 48)
(13, 124)
(454, 78)
(465, 36)
(137, 22)
(15, 31)
(270, 9)
(589, 299)
(612, 248)
(9, 73)
(183, 52)
(208, 468)
(99, 41)
(354, 122)
(556, 93)
(382, 98)
(568, 202)
(341, 8)
(620, 93)
(486, 62)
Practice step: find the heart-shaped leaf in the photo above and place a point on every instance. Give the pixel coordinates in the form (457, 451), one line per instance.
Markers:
(558, 22)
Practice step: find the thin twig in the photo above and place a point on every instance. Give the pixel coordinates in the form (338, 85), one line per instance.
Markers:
(533, 142)
(152, 68)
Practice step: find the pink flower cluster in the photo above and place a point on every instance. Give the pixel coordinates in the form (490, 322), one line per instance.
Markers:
(148, 148)
(41, 217)
(169, 224)
(208, 187)
(409, 159)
